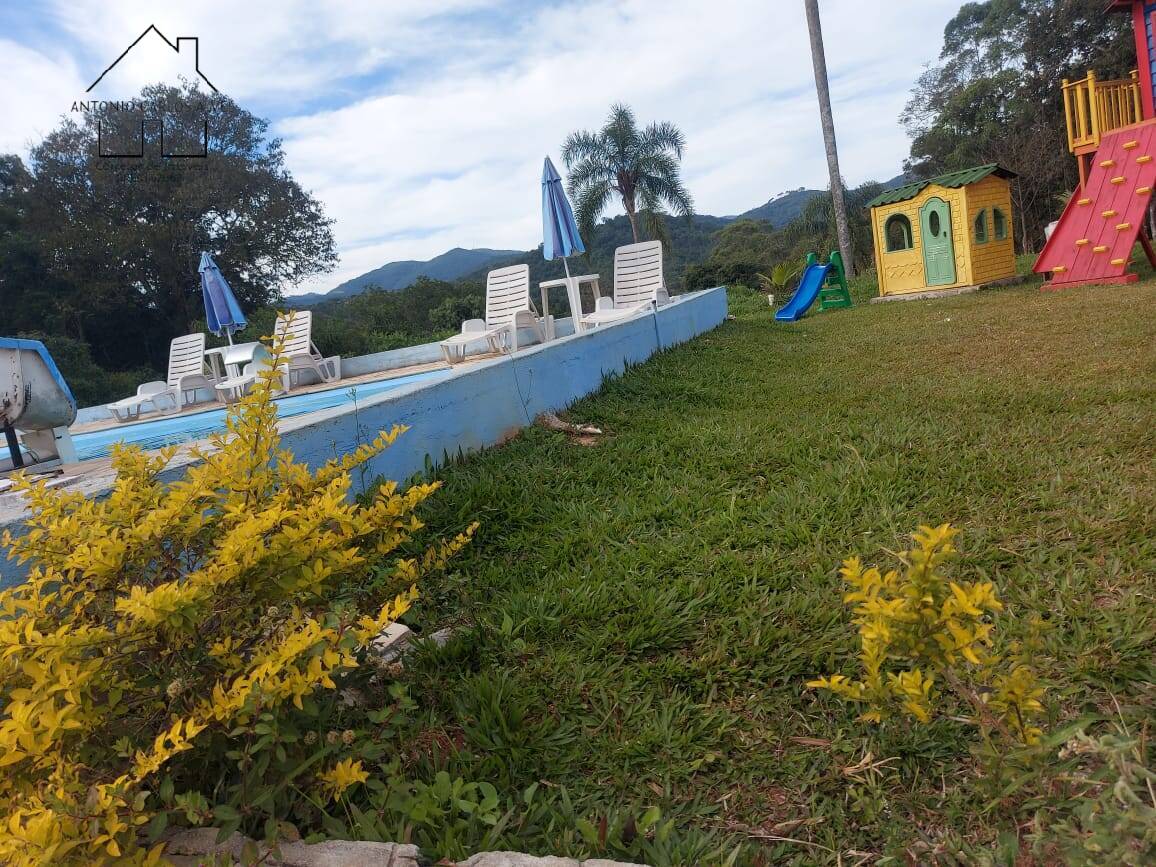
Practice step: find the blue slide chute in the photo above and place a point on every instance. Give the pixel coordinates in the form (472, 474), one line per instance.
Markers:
(813, 279)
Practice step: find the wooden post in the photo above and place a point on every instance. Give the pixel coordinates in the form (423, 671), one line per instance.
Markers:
(1081, 118)
(1068, 114)
(1094, 108)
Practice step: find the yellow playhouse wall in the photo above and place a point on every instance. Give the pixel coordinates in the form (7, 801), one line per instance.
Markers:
(994, 260)
(902, 271)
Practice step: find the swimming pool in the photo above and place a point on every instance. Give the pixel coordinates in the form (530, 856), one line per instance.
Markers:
(161, 431)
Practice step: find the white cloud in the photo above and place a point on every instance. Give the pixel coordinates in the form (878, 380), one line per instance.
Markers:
(437, 114)
(30, 90)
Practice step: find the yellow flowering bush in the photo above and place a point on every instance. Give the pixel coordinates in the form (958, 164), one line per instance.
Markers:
(918, 628)
(166, 629)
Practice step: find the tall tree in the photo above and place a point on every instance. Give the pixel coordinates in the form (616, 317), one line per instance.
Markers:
(819, 62)
(995, 95)
(124, 235)
(640, 166)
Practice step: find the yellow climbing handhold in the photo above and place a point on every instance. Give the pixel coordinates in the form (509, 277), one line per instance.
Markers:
(1129, 145)
(1084, 202)
(1107, 164)
(1082, 242)
(1106, 214)
(1143, 191)
(1147, 158)
(1120, 227)
(1059, 269)
(1118, 180)
(1100, 249)
(1118, 261)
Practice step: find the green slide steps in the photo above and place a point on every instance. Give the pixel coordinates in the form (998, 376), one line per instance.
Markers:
(834, 295)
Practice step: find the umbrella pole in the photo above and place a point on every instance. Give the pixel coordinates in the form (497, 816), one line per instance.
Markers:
(572, 296)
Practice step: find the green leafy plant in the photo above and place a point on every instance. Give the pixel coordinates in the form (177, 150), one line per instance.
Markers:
(916, 628)
(1115, 821)
(781, 276)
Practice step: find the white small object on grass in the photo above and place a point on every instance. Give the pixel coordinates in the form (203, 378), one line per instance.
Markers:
(770, 300)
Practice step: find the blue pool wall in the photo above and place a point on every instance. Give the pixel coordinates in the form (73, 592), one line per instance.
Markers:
(489, 402)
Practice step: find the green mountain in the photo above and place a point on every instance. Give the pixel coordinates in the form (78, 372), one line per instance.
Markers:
(781, 209)
(450, 266)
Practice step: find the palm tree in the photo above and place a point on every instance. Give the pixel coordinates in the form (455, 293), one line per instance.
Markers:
(819, 62)
(641, 166)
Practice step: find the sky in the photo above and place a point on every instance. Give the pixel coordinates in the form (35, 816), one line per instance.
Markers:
(421, 124)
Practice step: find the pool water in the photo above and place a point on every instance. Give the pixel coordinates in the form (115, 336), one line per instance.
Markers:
(161, 431)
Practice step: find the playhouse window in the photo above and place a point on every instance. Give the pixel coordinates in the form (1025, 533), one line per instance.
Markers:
(897, 230)
(981, 227)
(999, 224)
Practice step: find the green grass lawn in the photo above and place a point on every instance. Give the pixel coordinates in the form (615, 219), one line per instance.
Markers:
(639, 616)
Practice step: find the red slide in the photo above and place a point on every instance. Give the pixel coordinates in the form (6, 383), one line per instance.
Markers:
(1094, 239)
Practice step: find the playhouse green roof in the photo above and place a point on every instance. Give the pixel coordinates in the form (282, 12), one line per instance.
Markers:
(951, 180)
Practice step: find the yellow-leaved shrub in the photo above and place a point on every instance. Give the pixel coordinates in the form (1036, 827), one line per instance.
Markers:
(169, 611)
(918, 628)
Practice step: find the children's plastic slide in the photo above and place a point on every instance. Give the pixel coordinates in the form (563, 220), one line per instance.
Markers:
(809, 287)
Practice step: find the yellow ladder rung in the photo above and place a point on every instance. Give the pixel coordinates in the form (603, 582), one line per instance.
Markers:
(1106, 214)
(1082, 242)
(1129, 145)
(1118, 261)
(1143, 191)
(1059, 269)
(1107, 164)
(1100, 249)
(1084, 202)
(1120, 227)
(1147, 158)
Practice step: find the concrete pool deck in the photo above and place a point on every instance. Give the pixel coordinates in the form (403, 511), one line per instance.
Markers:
(477, 405)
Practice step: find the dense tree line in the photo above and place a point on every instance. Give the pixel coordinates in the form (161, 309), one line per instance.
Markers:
(995, 96)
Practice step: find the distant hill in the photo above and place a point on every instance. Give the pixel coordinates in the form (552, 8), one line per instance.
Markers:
(785, 207)
(449, 266)
(781, 209)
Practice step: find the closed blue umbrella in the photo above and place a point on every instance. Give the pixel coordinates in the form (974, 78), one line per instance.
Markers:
(560, 236)
(222, 312)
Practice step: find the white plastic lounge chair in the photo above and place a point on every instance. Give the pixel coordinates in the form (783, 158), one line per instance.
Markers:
(299, 351)
(638, 284)
(186, 375)
(508, 308)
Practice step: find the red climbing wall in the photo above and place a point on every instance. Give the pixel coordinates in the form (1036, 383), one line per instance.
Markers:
(1095, 236)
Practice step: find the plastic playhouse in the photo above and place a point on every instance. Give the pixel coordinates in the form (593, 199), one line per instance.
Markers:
(826, 281)
(1111, 128)
(947, 232)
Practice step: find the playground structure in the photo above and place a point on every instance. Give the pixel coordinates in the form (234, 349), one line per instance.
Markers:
(946, 232)
(826, 281)
(1111, 128)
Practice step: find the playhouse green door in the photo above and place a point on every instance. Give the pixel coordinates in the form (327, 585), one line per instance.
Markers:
(938, 249)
